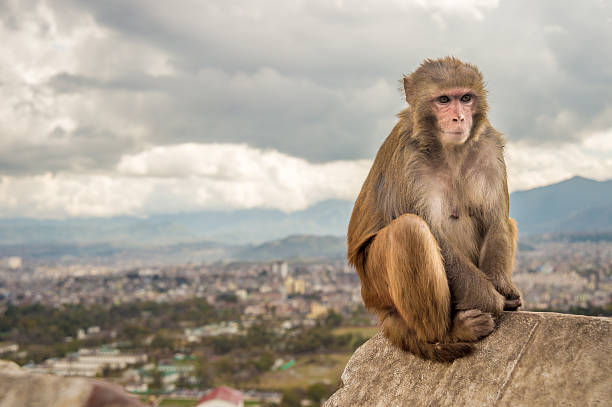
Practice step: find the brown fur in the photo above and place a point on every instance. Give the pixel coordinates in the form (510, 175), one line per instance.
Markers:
(430, 234)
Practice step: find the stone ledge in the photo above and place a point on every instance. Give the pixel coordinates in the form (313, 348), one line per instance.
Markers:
(532, 359)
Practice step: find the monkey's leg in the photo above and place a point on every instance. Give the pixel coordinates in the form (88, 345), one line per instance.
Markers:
(406, 251)
(406, 256)
(471, 288)
(402, 336)
(497, 261)
(471, 325)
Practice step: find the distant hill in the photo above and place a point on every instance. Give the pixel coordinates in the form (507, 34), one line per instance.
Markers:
(231, 227)
(577, 205)
(296, 247)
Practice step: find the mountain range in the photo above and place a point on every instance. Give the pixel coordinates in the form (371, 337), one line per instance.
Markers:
(577, 205)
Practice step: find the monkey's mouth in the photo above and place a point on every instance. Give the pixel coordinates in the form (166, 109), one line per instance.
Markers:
(456, 133)
(454, 137)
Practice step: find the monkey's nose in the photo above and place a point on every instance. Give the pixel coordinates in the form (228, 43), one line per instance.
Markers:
(459, 118)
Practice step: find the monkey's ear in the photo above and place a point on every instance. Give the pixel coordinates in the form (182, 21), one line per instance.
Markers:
(408, 89)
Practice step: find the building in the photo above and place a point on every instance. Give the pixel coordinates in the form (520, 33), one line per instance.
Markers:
(280, 267)
(263, 397)
(294, 286)
(288, 284)
(6, 347)
(221, 328)
(317, 310)
(112, 358)
(91, 362)
(222, 397)
(299, 286)
(12, 263)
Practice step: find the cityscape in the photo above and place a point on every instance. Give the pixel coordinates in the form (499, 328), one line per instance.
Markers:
(275, 331)
(177, 184)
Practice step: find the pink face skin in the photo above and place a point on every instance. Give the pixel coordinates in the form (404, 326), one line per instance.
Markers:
(453, 109)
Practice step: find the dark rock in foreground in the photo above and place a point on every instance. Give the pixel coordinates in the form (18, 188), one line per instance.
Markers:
(532, 359)
(18, 388)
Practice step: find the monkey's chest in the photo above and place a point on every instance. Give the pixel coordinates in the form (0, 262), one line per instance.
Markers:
(452, 213)
(461, 229)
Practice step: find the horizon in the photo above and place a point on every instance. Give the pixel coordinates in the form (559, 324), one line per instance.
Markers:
(247, 209)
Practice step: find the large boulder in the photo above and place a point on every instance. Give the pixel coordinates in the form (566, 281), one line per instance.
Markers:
(532, 359)
(19, 388)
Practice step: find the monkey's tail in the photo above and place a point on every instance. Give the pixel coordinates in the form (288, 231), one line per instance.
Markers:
(442, 352)
(395, 329)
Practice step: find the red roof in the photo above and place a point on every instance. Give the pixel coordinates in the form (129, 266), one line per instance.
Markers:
(223, 393)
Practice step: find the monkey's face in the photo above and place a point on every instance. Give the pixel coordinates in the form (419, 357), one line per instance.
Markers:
(453, 109)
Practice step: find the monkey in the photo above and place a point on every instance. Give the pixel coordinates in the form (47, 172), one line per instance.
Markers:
(430, 234)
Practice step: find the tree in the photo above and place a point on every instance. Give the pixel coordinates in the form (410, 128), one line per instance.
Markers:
(157, 383)
(225, 366)
(106, 370)
(318, 392)
(259, 335)
(333, 319)
(291, 398)
(162, 341)
(265, 361)
(202, 372)
(182, 383)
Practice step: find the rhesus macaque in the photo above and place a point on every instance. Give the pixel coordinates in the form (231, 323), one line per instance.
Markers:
(430, 234)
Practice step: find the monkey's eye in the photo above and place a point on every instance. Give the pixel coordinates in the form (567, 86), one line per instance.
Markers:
(443, 99)
(466, 98)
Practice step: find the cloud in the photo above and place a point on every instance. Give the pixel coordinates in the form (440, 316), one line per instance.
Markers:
(63, 195)
(533, 166)
(475, 9)
(193, 177)
(90, 86)
(185, 177)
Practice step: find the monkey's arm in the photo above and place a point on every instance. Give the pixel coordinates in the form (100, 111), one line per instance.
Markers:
(470, 288)
(497, 259)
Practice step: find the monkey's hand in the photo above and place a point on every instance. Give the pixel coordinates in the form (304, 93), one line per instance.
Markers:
(485, 299)
(506, 287)
(471, 289)
(470, 286)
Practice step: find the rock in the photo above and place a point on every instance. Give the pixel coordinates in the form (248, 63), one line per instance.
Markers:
(23, 389)
(532, 359)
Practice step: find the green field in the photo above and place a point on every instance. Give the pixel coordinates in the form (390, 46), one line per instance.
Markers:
(169, 402)
(178, 402)
(365, 331)
(306, 371)
(325, 368)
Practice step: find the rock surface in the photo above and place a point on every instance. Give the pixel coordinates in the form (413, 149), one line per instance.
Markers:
(18, 388)
(532, 359)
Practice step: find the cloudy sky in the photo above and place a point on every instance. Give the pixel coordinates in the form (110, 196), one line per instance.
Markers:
(139, 107)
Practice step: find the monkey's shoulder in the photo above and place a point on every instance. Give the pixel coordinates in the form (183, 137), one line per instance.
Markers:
(489, 136)
(486, 151)
(397, 151)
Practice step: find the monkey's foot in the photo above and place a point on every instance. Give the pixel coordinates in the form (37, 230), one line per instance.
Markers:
(471, 325)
